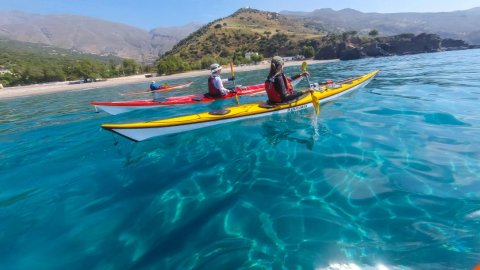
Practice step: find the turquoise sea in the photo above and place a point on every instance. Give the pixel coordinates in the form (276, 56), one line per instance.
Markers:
(386, 177)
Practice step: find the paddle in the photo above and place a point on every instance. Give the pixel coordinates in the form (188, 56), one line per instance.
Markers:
(234, 86)
(315, 101)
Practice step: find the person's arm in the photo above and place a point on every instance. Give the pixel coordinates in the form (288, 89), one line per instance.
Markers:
(228, 80)
(294, 77)
(297, 76)
(218, 82)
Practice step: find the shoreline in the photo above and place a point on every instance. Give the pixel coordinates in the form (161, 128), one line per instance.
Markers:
(48, 88)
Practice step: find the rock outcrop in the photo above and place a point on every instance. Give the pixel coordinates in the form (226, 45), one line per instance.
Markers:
(355, 48)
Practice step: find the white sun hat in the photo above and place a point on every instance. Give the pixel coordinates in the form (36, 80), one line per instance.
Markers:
(215, 67)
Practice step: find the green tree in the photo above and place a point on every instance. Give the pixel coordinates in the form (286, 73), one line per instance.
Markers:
(257, 58)
(130, 67)
(87, 69)
(348, 34)
(308, 51)
(224, 54)
(53, 73)
(172, 64)
(31, 74)
(206, 61)
(7, 79)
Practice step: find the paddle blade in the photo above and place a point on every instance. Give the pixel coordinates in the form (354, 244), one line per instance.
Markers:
(304, 67)
(304, 70)
(231, 69)
(316, 103)
(236, 99)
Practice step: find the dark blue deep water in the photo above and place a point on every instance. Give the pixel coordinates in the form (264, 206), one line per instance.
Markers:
(386, 178)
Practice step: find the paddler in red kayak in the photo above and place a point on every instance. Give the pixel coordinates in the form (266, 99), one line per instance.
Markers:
(278, 86)
(215, 82)
(154, 86)
(155, 94)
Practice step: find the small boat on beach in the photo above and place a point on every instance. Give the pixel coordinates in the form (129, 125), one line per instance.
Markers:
(144, 130)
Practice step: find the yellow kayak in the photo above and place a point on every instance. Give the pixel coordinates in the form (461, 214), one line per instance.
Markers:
(144, 130)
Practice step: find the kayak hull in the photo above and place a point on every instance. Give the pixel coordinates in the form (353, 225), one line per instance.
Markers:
(144, 130)
(118, 107)
(114, 110)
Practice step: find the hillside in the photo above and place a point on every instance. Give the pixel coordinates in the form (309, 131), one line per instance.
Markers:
(463, 25)
(27, 63)
(249, 30)
(8, 47)
(289, 32)
(90, 35)
(246, 30)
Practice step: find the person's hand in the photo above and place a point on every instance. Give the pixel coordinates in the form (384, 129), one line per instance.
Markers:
(231, 79)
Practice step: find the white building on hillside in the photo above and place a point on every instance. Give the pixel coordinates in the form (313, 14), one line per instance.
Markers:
(4, 71)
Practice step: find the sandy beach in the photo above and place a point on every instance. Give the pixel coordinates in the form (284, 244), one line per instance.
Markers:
(39, 89)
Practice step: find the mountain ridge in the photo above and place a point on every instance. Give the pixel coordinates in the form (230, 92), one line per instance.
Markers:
(249, 31)
(245, 30)
(89, 34)
(461, 24)
(102, 37)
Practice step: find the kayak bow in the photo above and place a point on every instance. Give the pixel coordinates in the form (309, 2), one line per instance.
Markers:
(145, 130)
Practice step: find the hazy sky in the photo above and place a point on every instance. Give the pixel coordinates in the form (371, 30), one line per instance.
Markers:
(148, 14)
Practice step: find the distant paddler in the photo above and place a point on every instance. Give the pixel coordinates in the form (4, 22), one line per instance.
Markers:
(156, 87)
(155, 94)
(215, 82)
(278, 86)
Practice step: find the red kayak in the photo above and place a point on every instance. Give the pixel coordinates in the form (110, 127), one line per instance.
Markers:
(163, 88)
(118, 107)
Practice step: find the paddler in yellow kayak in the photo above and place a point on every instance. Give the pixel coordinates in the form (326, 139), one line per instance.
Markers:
(278, 86)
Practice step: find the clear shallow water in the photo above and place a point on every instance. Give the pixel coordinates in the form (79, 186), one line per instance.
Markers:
(386, 176)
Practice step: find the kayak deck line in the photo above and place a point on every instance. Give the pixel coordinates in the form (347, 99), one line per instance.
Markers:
(143, 130)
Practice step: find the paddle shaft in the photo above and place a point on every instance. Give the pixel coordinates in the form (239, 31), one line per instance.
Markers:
(234, 85)
(233, 73)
